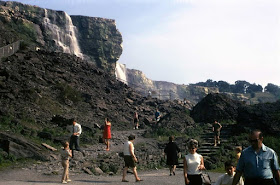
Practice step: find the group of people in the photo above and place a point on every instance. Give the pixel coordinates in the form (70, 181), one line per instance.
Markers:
(257, 164)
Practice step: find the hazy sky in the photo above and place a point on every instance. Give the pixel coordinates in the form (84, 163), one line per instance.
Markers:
(187, 41)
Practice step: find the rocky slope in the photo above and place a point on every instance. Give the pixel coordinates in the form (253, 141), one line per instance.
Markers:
(221, 107)
(42, 91)
(265, 116)
(215, 107)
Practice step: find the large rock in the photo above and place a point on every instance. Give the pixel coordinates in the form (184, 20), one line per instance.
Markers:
(215, 107)
(264, 116)
(21, 148)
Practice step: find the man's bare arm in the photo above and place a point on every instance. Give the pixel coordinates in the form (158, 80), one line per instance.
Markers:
(236, 177)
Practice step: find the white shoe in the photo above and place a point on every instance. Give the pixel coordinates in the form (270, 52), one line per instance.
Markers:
(68, 180)
(64, 182)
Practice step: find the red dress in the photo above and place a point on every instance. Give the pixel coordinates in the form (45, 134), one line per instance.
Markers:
(107, 132)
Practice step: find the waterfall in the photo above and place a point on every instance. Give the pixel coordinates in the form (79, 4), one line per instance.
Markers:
(120, 72)
(64, 37)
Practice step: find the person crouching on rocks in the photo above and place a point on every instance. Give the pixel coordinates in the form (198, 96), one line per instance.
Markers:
(65, 154)
(130, 158)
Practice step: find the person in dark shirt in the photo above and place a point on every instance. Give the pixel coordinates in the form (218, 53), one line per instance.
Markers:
(157, 115)
(172, 150)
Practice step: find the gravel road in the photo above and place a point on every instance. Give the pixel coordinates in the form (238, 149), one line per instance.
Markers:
(28, 177)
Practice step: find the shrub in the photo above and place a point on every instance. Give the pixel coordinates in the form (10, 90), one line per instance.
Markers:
(68, 92)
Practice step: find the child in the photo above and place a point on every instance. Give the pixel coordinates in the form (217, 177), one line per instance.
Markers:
(65, 154)
(227, 178)
(238, 151)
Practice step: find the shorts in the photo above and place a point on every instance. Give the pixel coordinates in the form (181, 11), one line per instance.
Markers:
(136, 120)
(128, 161)
(217, 133)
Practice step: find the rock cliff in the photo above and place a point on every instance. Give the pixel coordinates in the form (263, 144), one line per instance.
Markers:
(100, 39)
(162, 89)
(96, 39)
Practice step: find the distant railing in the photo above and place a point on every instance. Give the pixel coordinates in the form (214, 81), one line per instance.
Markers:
(10, 49)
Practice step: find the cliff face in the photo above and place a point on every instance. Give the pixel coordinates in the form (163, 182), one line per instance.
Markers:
(99, 39)
(161, 89)
(95, 39)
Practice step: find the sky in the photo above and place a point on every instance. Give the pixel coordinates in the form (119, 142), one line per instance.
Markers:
(190, 41)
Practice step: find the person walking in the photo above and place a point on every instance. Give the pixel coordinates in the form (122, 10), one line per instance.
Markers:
(258, 163)
(226, 179)
(65, 154)
(76, 131)
(193, 164)
(136, 120)
(171, 150)
(107, 133)
(216, 127)
(130, 159)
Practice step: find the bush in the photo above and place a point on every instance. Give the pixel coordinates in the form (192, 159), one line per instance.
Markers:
(68, 92)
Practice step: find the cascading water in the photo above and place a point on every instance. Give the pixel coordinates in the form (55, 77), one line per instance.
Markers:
(64, 37)
(120, 72)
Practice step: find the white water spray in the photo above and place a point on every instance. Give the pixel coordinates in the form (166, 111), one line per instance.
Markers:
(121, 73)
(64, 37)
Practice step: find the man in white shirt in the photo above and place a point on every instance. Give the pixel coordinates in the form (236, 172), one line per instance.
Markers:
(227, 178)
(76, 131)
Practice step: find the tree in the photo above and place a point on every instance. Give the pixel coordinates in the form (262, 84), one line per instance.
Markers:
(240, 86)
(223, 86)
(254, 88)
(273, 89)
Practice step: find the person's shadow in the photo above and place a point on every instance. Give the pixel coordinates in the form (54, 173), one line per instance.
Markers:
(48, 182)
(97, 182)
(85, 181)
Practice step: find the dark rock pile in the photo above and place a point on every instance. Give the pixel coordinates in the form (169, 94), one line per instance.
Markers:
(215, 107)
(264, 116)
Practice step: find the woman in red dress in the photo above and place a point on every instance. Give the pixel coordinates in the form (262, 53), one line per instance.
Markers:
(107, 133)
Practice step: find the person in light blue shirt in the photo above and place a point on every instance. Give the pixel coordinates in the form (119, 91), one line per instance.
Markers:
(258, 163)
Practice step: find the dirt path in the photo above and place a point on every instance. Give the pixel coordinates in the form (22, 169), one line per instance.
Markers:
(28, 177)
(35, 174)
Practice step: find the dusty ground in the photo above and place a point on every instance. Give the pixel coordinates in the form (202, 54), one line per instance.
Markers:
(27, 177)
(35, 174)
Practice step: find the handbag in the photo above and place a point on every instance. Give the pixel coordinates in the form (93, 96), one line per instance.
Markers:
(205, 178)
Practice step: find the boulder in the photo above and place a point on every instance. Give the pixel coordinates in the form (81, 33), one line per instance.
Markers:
(215, 107)
(21, 148)
(264, 116)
